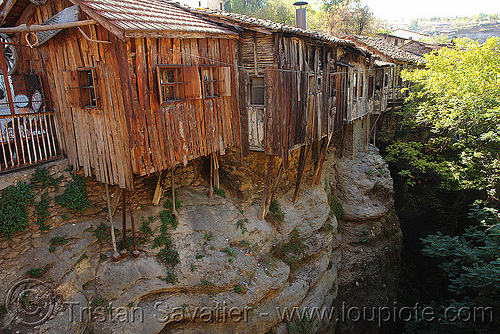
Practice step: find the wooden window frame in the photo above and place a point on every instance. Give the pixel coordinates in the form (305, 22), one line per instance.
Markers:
(178, 83)
(361, 85)
(332, 85)
(214, 81)
(371, 86)
(87, 88)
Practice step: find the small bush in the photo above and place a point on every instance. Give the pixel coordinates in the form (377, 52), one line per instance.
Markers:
(220, 192)
(335, 206)
(275, 214)
(169, 256)
(292, 251)
(59, 240)
(102, 233)
(167, 218)
(168, 202)
(241, 225)
(75, 197)
(171, 278)
(41, 179)
(204, 283)
(13, 208)
(145, 228)
(238, 289)
(42, 211)
(38, 272)
(162, 240)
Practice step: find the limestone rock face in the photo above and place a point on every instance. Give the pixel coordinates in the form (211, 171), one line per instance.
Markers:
(236, 274)
(364, 185)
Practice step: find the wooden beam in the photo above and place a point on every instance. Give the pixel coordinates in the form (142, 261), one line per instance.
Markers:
(123, 252)
(321, 161)
(304, 152)
(135, 252)
(118, 32)
(6, 10)
(158, 191)
(216, 171)
(174, 211)
(47, 27)
(262, 210)
(27, 14)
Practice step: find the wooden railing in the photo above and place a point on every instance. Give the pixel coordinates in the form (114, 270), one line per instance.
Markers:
(26, 139)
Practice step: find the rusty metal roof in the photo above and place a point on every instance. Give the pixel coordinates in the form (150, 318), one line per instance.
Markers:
(152, 16)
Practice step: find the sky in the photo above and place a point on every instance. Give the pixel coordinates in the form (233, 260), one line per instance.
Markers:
(403, 9)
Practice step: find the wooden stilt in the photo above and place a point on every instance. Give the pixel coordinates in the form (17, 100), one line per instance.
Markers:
(275, 185)
(123, 252)
(344, 137)
(216, 171)
(262, 210)
(211, 188)
(174, 211)
(116, 200)
(158, 191)
(116, 255)
(367, 139)
(135, 252)
(319, 169)
(304, 152)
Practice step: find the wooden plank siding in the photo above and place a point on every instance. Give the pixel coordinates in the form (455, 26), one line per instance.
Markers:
(130, 132)
(308, 89)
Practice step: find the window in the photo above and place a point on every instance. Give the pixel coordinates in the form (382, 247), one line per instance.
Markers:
(370, 86)
(87, 84)
(209, 79)
(257, 91)
(354, 84)
(221, 8)
(361, 86)
(386, 79)
(333, 85)
(169, 83)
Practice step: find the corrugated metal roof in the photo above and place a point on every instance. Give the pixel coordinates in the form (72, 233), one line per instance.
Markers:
(152, 16)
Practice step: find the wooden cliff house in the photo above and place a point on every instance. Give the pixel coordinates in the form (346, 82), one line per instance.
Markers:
(138, 87)
(390, 61)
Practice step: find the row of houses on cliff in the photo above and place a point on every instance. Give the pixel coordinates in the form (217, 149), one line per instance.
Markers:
(128, 88)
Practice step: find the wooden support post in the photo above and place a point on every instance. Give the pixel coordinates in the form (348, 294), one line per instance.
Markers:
(319, 169)
(116, 200)
(174, 211)
(367, 139)
(211, 187)
(116, 256)
(135, 253)
(262, 210)
(158, 191)
(123, 252)
(304, 152)
(216, 171)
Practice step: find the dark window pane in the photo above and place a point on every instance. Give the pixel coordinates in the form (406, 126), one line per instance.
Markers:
(257, 91)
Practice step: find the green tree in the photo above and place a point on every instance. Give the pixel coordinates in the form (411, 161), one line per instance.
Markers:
(457, 97)
(348, 17)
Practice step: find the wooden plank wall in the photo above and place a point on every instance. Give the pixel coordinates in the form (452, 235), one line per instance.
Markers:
(93, 139)
(164, 136)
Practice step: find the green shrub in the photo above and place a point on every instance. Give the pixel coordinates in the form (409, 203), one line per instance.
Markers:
(162, 240)
(42, 211)
(169, 256)
(171, 278)
(75, 197)
(220, 192)
(38, 272)
(145, 228)
(275, 214)
(168, 202)
(238, 289)
(13, 208)
(167, 218)
(292, 251)
(241, 225)
(41, 179)
(59, 240)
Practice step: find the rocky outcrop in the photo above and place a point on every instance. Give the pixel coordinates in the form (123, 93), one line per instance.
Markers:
(236, 273)
(371, 238)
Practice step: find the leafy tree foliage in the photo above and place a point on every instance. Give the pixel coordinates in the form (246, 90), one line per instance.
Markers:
(457, 97)
(348, 17)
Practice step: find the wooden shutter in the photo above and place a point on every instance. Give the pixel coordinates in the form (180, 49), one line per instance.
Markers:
(72, 85)
(192, 82)
(225, 81)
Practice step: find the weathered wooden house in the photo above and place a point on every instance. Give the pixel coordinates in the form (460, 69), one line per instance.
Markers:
(390, 61)
(297, 86)
(139, 87)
